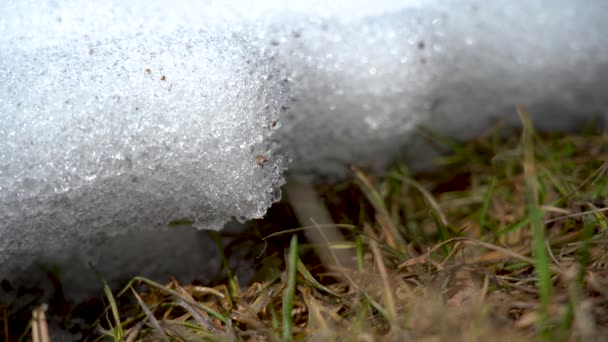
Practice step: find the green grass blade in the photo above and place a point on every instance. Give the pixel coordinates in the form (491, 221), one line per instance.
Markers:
(541, 265)
(117, 331)
(599, 216)
(290, 291)
(575, 291)
(535, 216)
(485, 206)
(311, 279)
(517, 225)
(275, 324)
(232, 283)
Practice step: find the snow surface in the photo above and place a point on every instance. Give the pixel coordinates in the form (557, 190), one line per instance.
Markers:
(115, 126)
(119, 117)
(362, 84)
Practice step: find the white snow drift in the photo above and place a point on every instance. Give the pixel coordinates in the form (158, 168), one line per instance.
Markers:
(116, 129)
(362, 84)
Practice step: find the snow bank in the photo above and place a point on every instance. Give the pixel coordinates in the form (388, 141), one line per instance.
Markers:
(364, 75)
(113, 124)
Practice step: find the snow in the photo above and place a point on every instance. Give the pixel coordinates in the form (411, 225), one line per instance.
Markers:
(361, 84)
(113, 132)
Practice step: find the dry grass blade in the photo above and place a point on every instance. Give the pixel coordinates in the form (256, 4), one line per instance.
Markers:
(504, 251)
(178, 296)
(40, 328)
(5, 318)
(202, 320)
(311, 279)
(133, 333)
(199, 315)
(317, 321)
(159, 329)
(427, 196)
(393, 235)
(391, 308)
(207, 290)
(315, 226)
(574, 215)
(308, 208)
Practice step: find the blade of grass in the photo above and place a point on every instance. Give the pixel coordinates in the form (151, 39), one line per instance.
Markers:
(394, 252)
(599, 216)
(563, 188)
(151, 317)
(443, 232)
(311, 279)
(425, 193)
(275, 324)
(485, 206)
(381, 310)
(40, 328)
(515, 226)
(232, 283)
(117, 331)
(575, 290)
(469, 241)
(177, 295)
(386, 282)
(461, 151)
(25, 333)
(35, 330)
(199, 330)
(315, 318)
(202, 321)
(535, 215)
(133, 333)
(342, 261)
(5, 317)
(582, 213)
(360, 259)
(394, 238)
(596, 176)
(290, 291)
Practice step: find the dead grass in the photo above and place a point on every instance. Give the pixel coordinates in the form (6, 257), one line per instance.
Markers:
(506, 241)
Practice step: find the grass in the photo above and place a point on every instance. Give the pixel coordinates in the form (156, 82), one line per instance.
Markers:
(507, 240)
